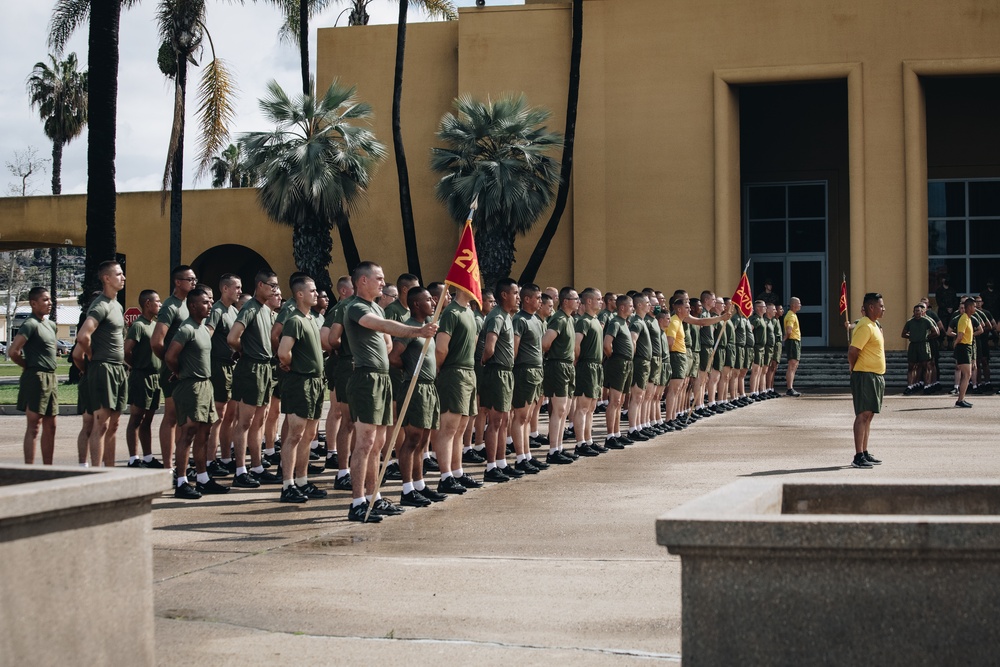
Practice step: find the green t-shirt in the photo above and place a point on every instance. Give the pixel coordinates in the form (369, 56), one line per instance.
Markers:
(592, 343)
(221, 320)
(284, 312)
(173, 313)
(605, 316)
(338, 318)
(398, 312)
(307, 353)
(411, 353)
(739, 328)
(529, 329)
(195, 361)
(367, 345)
(692, 338)
(758, 325)
(459, 322)
(108, 340)
(498, 322)
(731, 332)
(643, 346)
(563, 346)
(919, 328)
(256, 340)
(706, 335)
(664, 346)
(40, 343)
(621, 338)
(143, 359)
(654, 334)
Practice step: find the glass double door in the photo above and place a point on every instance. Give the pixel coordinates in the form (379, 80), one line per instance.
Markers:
(785, 238)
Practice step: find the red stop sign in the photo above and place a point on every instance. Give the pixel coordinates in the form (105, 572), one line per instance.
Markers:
(131, 315)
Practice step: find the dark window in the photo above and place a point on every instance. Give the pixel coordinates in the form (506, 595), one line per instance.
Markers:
(963, 233)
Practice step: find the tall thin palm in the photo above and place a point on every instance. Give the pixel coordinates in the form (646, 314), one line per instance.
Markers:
(295, 29)
(496, 151)
(102, 112)
(229, 169)
(59, 93)
(314, 169)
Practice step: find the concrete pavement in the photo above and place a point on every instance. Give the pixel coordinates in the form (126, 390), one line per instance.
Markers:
(556, 568)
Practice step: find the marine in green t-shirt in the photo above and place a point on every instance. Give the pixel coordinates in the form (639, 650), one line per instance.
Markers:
(368, 347)
(34, 350)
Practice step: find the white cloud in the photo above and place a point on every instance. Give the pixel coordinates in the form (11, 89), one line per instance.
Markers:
(245, 36)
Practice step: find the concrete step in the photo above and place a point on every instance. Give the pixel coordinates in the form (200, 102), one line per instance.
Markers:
(829, 369)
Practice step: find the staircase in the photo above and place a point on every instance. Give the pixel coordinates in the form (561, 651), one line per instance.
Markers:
(827, 368)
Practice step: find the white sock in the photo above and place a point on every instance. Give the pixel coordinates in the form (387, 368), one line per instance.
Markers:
(226, 461)
(330, 455)
(407, 487)
(254, 469)
(358, 501)
(343, 473)
(285, 483)
(446, 475)
(502, 463)
(466, 449)
(132, 459)
(521, 457)
(269, 451)
(314, 444)
(553, 450)
(533, 434)
(480, 447)
(182, 480)
(491, 466)
(242, 470)
(301, 481)
(84, 465)
(418, 485)
(147, 458)
(510, 440)
(203, 478)
(458, 472)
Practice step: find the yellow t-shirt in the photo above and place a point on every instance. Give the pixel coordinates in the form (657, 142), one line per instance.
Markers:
(675, 330)
(792, 320)
(965, 329)
(869, 340)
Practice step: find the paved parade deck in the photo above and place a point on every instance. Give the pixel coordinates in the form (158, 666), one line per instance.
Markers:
(558, 567)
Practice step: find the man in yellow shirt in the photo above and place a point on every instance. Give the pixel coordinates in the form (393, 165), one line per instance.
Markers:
(967, 327)
(793, 343)
(866, 357)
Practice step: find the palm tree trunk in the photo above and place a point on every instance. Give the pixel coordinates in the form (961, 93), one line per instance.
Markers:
(351, 255)
(102, 108)
(405, 205)
(312, 247)
(495, 248)
(572, 103)
(304, 44)
(177, 165)
(57, 151)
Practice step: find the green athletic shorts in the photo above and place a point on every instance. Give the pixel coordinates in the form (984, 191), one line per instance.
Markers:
(166, 384)
(654, 370)
(108, 386)
(640, 372)
(369, 394)
(618, 373)
(497, 388)
(719, 360)
(867, 390)
(342, 375)
(748, 356)
(83, 395)
(768, 356)
(527, 386)
(693, 363)
(277, 380)
(252, 382)
(589, 379)
(195, 401)
(963, 354)
(759, 356)
(776, 354)
(678, 365)
(794, 350)
(731, 359)
(665, 369)
(38, 392)
(222, 380)
(329, 371)
(559, 380)
(302, 396)
(144, 390)
(457, 391)
(917, 352)
(424, 410)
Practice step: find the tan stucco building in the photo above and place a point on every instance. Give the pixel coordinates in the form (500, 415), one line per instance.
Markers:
(815, 138)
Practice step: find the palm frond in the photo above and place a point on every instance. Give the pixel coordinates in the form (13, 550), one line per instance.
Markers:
(216, 111)
(67, 16)
(438, 9)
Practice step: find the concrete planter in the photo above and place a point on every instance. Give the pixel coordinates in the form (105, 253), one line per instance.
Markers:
(76, 565)
(886, 573)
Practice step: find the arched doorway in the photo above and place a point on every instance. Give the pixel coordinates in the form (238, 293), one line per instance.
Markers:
(229, 258)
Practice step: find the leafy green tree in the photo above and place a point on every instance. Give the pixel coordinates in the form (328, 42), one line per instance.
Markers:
(230, 170)
(496, 151)
(314, 168)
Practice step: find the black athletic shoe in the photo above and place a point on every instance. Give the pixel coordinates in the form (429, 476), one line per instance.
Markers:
(649, 432)
(600, 409)
(231, 466)
(860, 462)
(792, 392)
(558, 458)
(138, 463)
(963, 404)
(612, 443)
(468, 481)
(542, 440)
(509, 449)
(584, 449)
(383, 507)
(313, 455)
(211, 487)
(450, 485)
(315, 470)
(569, 453)
(357, 513)
(332, 463)
(432, 495)
(245, 481)
(598, 447)
(538, 463)
(154, 463)
(312, 491)
(472, 456)
(265, 477)
(511, 471)
(217, 468)
(871, 459)
(569, 433)
(343, 483)
(494, 475)
(292, 494)
(718, 408)
(322, 450)
(186, 492)
(544, 409)
(414, 499)
(637, 436)
(191, 473)
(524, 466)
(431, 465)
(272, 459)
(392, 471)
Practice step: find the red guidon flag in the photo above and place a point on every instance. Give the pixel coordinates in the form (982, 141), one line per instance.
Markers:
(843, 297)
(743, 298)
(464, 271)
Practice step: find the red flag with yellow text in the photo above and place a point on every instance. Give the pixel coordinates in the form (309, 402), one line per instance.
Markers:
(843, 298)
(464, 271)
(743, 297)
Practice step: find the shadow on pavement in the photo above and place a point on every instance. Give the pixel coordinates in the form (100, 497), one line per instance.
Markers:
(763, 473)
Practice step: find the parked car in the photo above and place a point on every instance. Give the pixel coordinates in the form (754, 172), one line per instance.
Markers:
(63, 346)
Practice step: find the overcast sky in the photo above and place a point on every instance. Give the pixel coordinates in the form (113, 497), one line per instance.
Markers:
(244, 36)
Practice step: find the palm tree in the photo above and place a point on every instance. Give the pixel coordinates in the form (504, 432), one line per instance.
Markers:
(314, 169)
(59, 93)
(229, 169)
(102, 113)
(497, 151)
(295, 29)
(572, 103)
(182, 29)
(439, 8)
